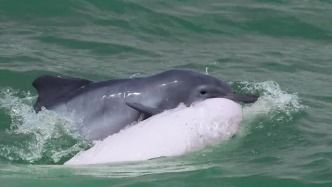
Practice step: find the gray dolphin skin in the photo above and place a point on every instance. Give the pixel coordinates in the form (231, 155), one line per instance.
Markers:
(104, 108)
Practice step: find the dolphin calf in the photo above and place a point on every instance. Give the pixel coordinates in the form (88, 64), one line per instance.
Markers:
(104, 108)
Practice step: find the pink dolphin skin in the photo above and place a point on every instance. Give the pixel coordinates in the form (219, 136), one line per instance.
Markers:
(170, 133)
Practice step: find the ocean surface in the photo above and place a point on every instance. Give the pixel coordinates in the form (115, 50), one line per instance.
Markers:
(281, 50)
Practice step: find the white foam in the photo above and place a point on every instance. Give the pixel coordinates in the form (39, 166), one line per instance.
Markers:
(272, 101)
(170, 133)
(39, 130)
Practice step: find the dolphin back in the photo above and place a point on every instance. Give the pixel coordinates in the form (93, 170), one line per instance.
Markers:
(53, 89)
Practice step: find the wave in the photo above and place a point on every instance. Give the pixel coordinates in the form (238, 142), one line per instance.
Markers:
(43, 137)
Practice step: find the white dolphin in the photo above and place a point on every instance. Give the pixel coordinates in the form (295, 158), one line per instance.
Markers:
(170, 133)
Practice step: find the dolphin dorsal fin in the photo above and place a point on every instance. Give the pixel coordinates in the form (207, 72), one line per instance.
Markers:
(52, 88)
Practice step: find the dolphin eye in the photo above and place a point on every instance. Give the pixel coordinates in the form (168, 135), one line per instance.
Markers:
(203, 92)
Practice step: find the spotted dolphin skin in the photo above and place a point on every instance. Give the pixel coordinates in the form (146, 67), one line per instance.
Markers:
(104, 108)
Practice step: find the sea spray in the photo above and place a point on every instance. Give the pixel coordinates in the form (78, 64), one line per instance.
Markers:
(43, 137)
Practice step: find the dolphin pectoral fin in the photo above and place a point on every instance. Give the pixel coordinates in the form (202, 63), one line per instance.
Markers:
(52, 88)
(146, 110)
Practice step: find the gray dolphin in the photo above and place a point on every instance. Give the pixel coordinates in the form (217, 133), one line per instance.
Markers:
(105, 107)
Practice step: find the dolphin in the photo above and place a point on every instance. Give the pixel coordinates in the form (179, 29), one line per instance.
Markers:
(171, 133)
(105, 107)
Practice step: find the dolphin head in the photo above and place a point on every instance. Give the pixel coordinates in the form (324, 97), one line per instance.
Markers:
(194, 87)
(168, 89)
(207, 90)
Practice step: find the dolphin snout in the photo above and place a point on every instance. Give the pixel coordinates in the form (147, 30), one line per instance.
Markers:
(242, 98)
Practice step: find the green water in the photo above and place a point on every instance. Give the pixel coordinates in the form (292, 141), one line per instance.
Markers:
(279, 49)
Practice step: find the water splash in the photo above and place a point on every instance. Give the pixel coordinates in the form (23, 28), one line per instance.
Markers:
(43, 137)
(273, 105)
(272, 99)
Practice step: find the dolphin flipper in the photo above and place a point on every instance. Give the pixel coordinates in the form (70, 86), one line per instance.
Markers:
(146, 110)
(52, 88)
